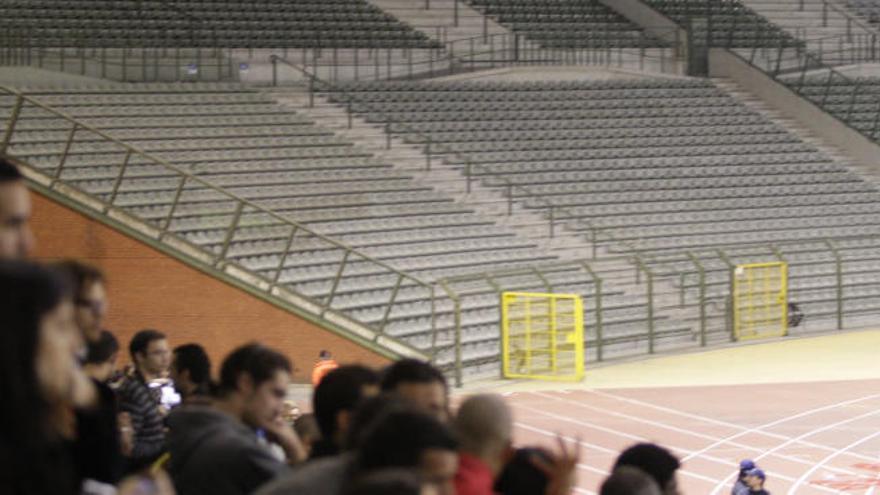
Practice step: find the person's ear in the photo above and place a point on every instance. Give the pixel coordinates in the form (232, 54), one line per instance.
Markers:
(343, 422)
(508, 453)
(245, 384)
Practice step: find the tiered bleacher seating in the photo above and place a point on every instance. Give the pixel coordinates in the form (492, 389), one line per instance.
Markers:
(567, 23)
(730, 23)
(247, 144)
(869, 9)
(196, 23)
(660, 165)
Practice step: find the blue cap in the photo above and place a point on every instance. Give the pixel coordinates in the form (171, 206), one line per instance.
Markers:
(757, 472)
(747, 464)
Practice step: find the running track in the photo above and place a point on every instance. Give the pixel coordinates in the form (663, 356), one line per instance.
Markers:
(810, 438)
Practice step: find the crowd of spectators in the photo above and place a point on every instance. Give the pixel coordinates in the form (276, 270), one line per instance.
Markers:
(74, 423)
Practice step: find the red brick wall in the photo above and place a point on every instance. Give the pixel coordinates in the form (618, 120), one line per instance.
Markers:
(148, 289)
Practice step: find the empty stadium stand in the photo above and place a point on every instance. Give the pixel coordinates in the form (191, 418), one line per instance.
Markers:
(196, 23)
(730, 23)
(868, 9)
(657, 166)
(252, 148)
(567, 23)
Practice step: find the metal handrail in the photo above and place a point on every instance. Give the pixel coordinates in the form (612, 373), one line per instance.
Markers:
(186, 177)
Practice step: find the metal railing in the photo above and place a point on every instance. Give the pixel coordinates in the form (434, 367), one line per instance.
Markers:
(800, 70)
(237, 214)
(691, 288)
(475, 53)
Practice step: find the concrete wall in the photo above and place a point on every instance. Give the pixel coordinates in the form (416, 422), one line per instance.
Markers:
(859, 148)
(149, 289)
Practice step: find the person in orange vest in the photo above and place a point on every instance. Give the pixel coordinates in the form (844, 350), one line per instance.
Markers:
(324, 365)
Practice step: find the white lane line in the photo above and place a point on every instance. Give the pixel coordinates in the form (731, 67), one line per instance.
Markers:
(687, 432)
(634, 438)
(795, 440)
(812, 470)
(745, 430)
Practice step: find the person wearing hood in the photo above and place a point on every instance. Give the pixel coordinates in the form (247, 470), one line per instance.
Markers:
(740, 487)
(221, 449)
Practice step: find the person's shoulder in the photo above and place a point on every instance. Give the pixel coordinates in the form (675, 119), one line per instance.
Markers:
(320, 477)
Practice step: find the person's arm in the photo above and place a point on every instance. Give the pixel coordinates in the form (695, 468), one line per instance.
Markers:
(561, 470)
(280, 432)
(141, 409)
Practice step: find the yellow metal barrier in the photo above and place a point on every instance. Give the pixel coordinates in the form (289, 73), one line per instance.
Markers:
(542, 336)
(760, 300)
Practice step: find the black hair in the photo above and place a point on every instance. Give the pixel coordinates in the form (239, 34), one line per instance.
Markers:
(141, 341)
(340, 390)
(8, 172)
(386, 482)
(628, 480)
(411, 371)
(101, 350)
(31, 459)
(653, 459)
(520, 476)
(368, 413)
(258, 361)
(398, 439)
(193, 358)
(81, 274)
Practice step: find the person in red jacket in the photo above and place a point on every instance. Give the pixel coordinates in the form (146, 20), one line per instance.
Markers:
(324, 365)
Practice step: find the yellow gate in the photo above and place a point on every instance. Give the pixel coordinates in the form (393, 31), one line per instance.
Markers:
(760, 300)
(542, 336)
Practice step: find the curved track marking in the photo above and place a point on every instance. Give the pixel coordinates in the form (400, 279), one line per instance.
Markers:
(635, 438)
(837, 452)
(813, 469)
(688, 432)
(745, 430)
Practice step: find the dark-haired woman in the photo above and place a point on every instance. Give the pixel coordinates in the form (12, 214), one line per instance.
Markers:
(40, 381)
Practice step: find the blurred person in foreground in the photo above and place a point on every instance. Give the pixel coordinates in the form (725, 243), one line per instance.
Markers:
(420, 383)
(392, 482)
(627, 480)
(655, 461)
(16, 238)
(386, 433)
(190, 373)
(41, 381)
(219, 449)
(101, 442)
(90, 297)
(334, 403)
(484, 425)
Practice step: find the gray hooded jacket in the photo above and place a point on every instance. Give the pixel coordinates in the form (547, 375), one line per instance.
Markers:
(214, 453)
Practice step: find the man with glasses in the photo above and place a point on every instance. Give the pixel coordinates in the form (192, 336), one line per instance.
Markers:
(151, 356)
(91, 297)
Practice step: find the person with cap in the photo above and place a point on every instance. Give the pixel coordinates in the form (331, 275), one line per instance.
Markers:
(740, 487)
(755, 479)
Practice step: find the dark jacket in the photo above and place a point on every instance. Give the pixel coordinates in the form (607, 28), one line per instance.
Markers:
(96, 451)
(325, 476)
(214, 453)
(136, 398)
